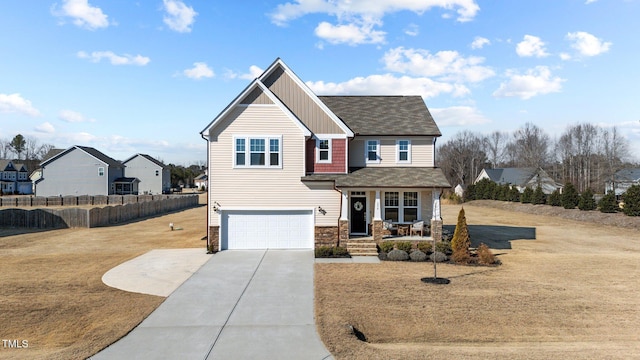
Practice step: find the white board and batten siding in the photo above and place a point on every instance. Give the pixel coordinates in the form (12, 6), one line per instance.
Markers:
(267, 192)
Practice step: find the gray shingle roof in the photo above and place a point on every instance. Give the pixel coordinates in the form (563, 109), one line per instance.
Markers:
(152, 159)
(514, 176)
(89, 150)
(401, 177)
(383, 115)
(628, 175)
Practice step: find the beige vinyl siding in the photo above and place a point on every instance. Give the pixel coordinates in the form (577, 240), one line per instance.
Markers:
(300, 103)
(265, 187)
(421, 152)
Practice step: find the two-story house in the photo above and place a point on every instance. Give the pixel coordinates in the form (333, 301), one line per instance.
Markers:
(14, 178)
(154, 176)
(296, 170)
(83, 170)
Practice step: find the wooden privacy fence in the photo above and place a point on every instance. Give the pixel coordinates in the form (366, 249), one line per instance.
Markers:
(99, 200)
(43, 218)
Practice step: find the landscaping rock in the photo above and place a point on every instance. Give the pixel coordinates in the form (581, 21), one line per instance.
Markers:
(418, 255)
(397, 255)
(440, 257)
(382, 255)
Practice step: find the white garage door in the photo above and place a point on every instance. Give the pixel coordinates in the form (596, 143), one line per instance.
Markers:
(266, 229)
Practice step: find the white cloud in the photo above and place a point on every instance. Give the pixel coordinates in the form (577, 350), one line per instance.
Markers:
(446, 65)
(73, 117)
(587, 44)
(590, 1)
(254, 72)
(412, 30)
(352, 34)
(479, 42)
(46, 128)
(388, 84)
(343, 9)
(565, 56)
(15, 103)
(124, 59)
(83, 14)
(198, 71)
(531, 46)
(179, 17)
(458, 116)
(536, 81)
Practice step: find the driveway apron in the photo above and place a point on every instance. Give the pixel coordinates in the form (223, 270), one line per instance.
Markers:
(251, 304)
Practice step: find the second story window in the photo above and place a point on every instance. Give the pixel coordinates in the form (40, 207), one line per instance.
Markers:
(100, 171)
(372, 151)
(403, 151)
(323, 153)
(157, 173)
(261, 152)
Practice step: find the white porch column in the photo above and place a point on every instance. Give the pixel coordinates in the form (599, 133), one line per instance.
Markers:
(377, 214)
(344, 209)
(436, 204)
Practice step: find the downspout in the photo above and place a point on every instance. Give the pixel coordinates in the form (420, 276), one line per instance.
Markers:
(208, 189)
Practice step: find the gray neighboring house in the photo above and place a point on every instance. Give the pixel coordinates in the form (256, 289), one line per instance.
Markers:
(154, 176)
(79, 170)
(623, 180)
(521, 178)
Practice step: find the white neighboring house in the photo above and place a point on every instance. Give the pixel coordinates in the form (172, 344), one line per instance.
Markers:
(521, 178)
(154, 176)
(623, 180)
(201, 180)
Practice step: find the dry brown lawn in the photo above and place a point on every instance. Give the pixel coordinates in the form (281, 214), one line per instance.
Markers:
(51, 292)
(570, 293)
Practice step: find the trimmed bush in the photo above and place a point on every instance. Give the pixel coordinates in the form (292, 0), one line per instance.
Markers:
(586, 201)
(469, 193)
(397, 255)
(631, 200)
(425, 247)
(340, 251)
(461, 240)
(440, 257)
(485, 256)
(555, 199)
(417, 255)
(444, 247)
(324, 251)
(608, 203)
(569, 196)
(387, 246)
(514, 194)
(404, 246)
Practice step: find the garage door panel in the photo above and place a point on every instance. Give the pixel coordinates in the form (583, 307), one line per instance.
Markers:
(267, 229)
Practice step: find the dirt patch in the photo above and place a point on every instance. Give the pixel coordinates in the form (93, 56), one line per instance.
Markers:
(568, 292)
(52, 294)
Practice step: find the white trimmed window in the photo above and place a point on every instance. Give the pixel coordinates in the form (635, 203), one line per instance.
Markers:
(403, 151)
(323, 150)
(401, 206)
(372, 151)
(100, 171)
(257, 152)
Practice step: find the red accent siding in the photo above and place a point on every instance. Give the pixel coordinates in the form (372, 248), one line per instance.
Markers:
(338, 157)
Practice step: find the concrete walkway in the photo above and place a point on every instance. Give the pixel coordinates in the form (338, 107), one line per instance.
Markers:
(254, 304)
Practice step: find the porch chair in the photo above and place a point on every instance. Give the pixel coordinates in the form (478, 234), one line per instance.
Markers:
(388, 228)
(417, 227)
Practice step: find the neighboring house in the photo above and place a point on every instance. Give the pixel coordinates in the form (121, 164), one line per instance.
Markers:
(14, 178)
(82, 170)
(521, 178)
(153, 175)
(459, 190)
(296, 170)
(200, 181)
(623, 180)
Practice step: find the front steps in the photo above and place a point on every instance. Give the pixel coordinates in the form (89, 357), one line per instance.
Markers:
(364, 247)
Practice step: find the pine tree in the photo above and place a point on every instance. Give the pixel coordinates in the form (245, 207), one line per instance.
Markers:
(539, 197)
(527, 196)
(608, 203)
(514, 194)
(569, 196)
(631, 200)
(586, 201)
(461, 241)
(555, 199)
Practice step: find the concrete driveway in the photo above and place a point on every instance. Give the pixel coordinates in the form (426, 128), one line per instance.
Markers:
(252, 304)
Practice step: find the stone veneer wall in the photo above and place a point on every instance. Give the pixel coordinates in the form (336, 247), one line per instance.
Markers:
(344, 232)
(326, 236)
(214, 239)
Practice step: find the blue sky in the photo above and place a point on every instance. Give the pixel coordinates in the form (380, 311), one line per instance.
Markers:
(147, 76)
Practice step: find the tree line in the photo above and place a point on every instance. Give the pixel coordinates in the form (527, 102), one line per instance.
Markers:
(584, 155)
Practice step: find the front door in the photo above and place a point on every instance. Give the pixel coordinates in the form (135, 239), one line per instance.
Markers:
(359, 215)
